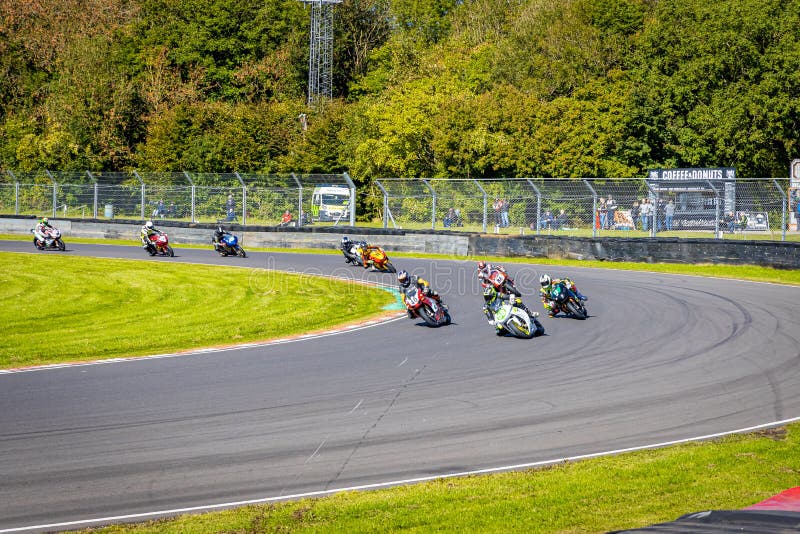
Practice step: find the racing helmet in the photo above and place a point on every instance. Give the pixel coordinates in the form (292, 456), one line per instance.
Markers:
(345, 240)
(403, 279)
(149, 225)
(220, 230)
(45, 221)
(481, 265)
(545, 280)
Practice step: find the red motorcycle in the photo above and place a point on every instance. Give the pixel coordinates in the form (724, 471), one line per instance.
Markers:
(433, 312)
(159, 245)
(499, 279)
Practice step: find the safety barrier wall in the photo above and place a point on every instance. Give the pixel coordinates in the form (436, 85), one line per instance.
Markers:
(780, 254)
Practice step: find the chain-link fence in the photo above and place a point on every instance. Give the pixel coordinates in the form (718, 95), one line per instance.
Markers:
(289, 200)
(631, 207)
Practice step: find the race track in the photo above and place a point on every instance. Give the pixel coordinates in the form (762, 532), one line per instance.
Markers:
(661, 358)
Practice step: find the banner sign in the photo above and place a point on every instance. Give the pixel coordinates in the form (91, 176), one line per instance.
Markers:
(669, 175)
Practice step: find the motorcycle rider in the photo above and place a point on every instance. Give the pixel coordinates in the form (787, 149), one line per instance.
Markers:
(547, 288)
(148, 230)
(42, 230)
(484, 270)
(219, 233)
(350, 250)
(493, 299)
(404, 280)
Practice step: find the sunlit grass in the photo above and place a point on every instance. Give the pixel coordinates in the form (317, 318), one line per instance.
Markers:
(61, 308)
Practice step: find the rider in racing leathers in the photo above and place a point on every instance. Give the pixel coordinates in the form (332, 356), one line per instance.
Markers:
(547, 287)
(404, 280)
(148, 230)
(484, 270)
(41, 230)
(219, 233)
(493, 299)
(353, 250)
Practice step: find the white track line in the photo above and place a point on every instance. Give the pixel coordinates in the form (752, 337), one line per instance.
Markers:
(379, 485)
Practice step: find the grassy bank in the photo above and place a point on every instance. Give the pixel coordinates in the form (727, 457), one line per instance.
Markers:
(68, 308)
(625, 491)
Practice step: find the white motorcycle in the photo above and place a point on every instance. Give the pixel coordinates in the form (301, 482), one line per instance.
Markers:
(509, 319)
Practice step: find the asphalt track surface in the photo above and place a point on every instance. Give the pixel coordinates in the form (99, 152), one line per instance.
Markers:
(662, 358)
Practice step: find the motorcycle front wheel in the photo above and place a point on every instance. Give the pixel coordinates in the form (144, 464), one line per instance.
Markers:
(575, 311)
(519, 330)
(61, 245)
(170, 252)
(390, 268)
(427, 316)
(241, 253)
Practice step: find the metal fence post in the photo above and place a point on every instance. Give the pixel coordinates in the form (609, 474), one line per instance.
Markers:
(191, 183)
(55, 192)
(385, 203)
(94, 199)
(433, 206)
(485, 202)
(142, 185)
(538, 204)
(244, 198)
(783, 209)
(352, 199)
(717, 234)
(16, 192)
(299, 199)
(594, 207)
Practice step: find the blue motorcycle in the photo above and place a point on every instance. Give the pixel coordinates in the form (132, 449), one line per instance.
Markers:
(229, 246)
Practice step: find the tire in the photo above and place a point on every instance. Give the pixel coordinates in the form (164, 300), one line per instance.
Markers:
(575, 311)
(425, 313)
(539, 328)
(170, 252)
(37, 245)
(61, 245)
(390, 268)
(241, 253)
(518, 331)
(447, 319)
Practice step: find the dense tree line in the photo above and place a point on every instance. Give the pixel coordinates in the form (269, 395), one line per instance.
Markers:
(478, 88)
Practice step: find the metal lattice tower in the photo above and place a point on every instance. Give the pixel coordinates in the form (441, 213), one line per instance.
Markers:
(320, 51)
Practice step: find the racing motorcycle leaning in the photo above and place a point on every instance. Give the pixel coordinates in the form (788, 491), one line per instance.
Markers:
(377, 258)
(501, 281)
(511, 319)
(158, 244)
(567, 301)
(52, 239)
(433, 312)
(229, 246)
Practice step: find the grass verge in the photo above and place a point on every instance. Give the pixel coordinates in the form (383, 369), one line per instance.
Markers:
(68, 308)
(626, 491)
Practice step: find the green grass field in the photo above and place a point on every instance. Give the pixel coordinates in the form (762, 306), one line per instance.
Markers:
(67, 308)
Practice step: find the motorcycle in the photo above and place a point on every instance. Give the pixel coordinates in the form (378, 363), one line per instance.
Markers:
(229, 246)
(52, 239)
(568, 302)
(377, 258)
(351, 254)
(500, 280)
(421, 305)
(510, 319)
(159, 244)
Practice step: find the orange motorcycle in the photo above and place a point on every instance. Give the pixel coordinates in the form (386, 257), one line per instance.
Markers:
(374, 256)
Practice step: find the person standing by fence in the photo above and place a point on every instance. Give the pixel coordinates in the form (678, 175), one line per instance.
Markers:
(230, 209)
(647, 214)
(669, 213)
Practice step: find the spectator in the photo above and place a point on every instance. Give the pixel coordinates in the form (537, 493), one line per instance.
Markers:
(498, 221)
(602, 213)
(560, 221)
(635, 214)
(611, 206)
(546, 221)
(669, 213)
(450, 218)
(286, 220)
(504, 212)
(160, 209)
(230, 209)
(730, 222)
(647, 214)
(172, 211)
(742, 222)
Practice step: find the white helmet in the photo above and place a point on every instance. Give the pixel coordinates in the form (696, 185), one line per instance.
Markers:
(345, 240)
(544, 280)
(149, 224)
